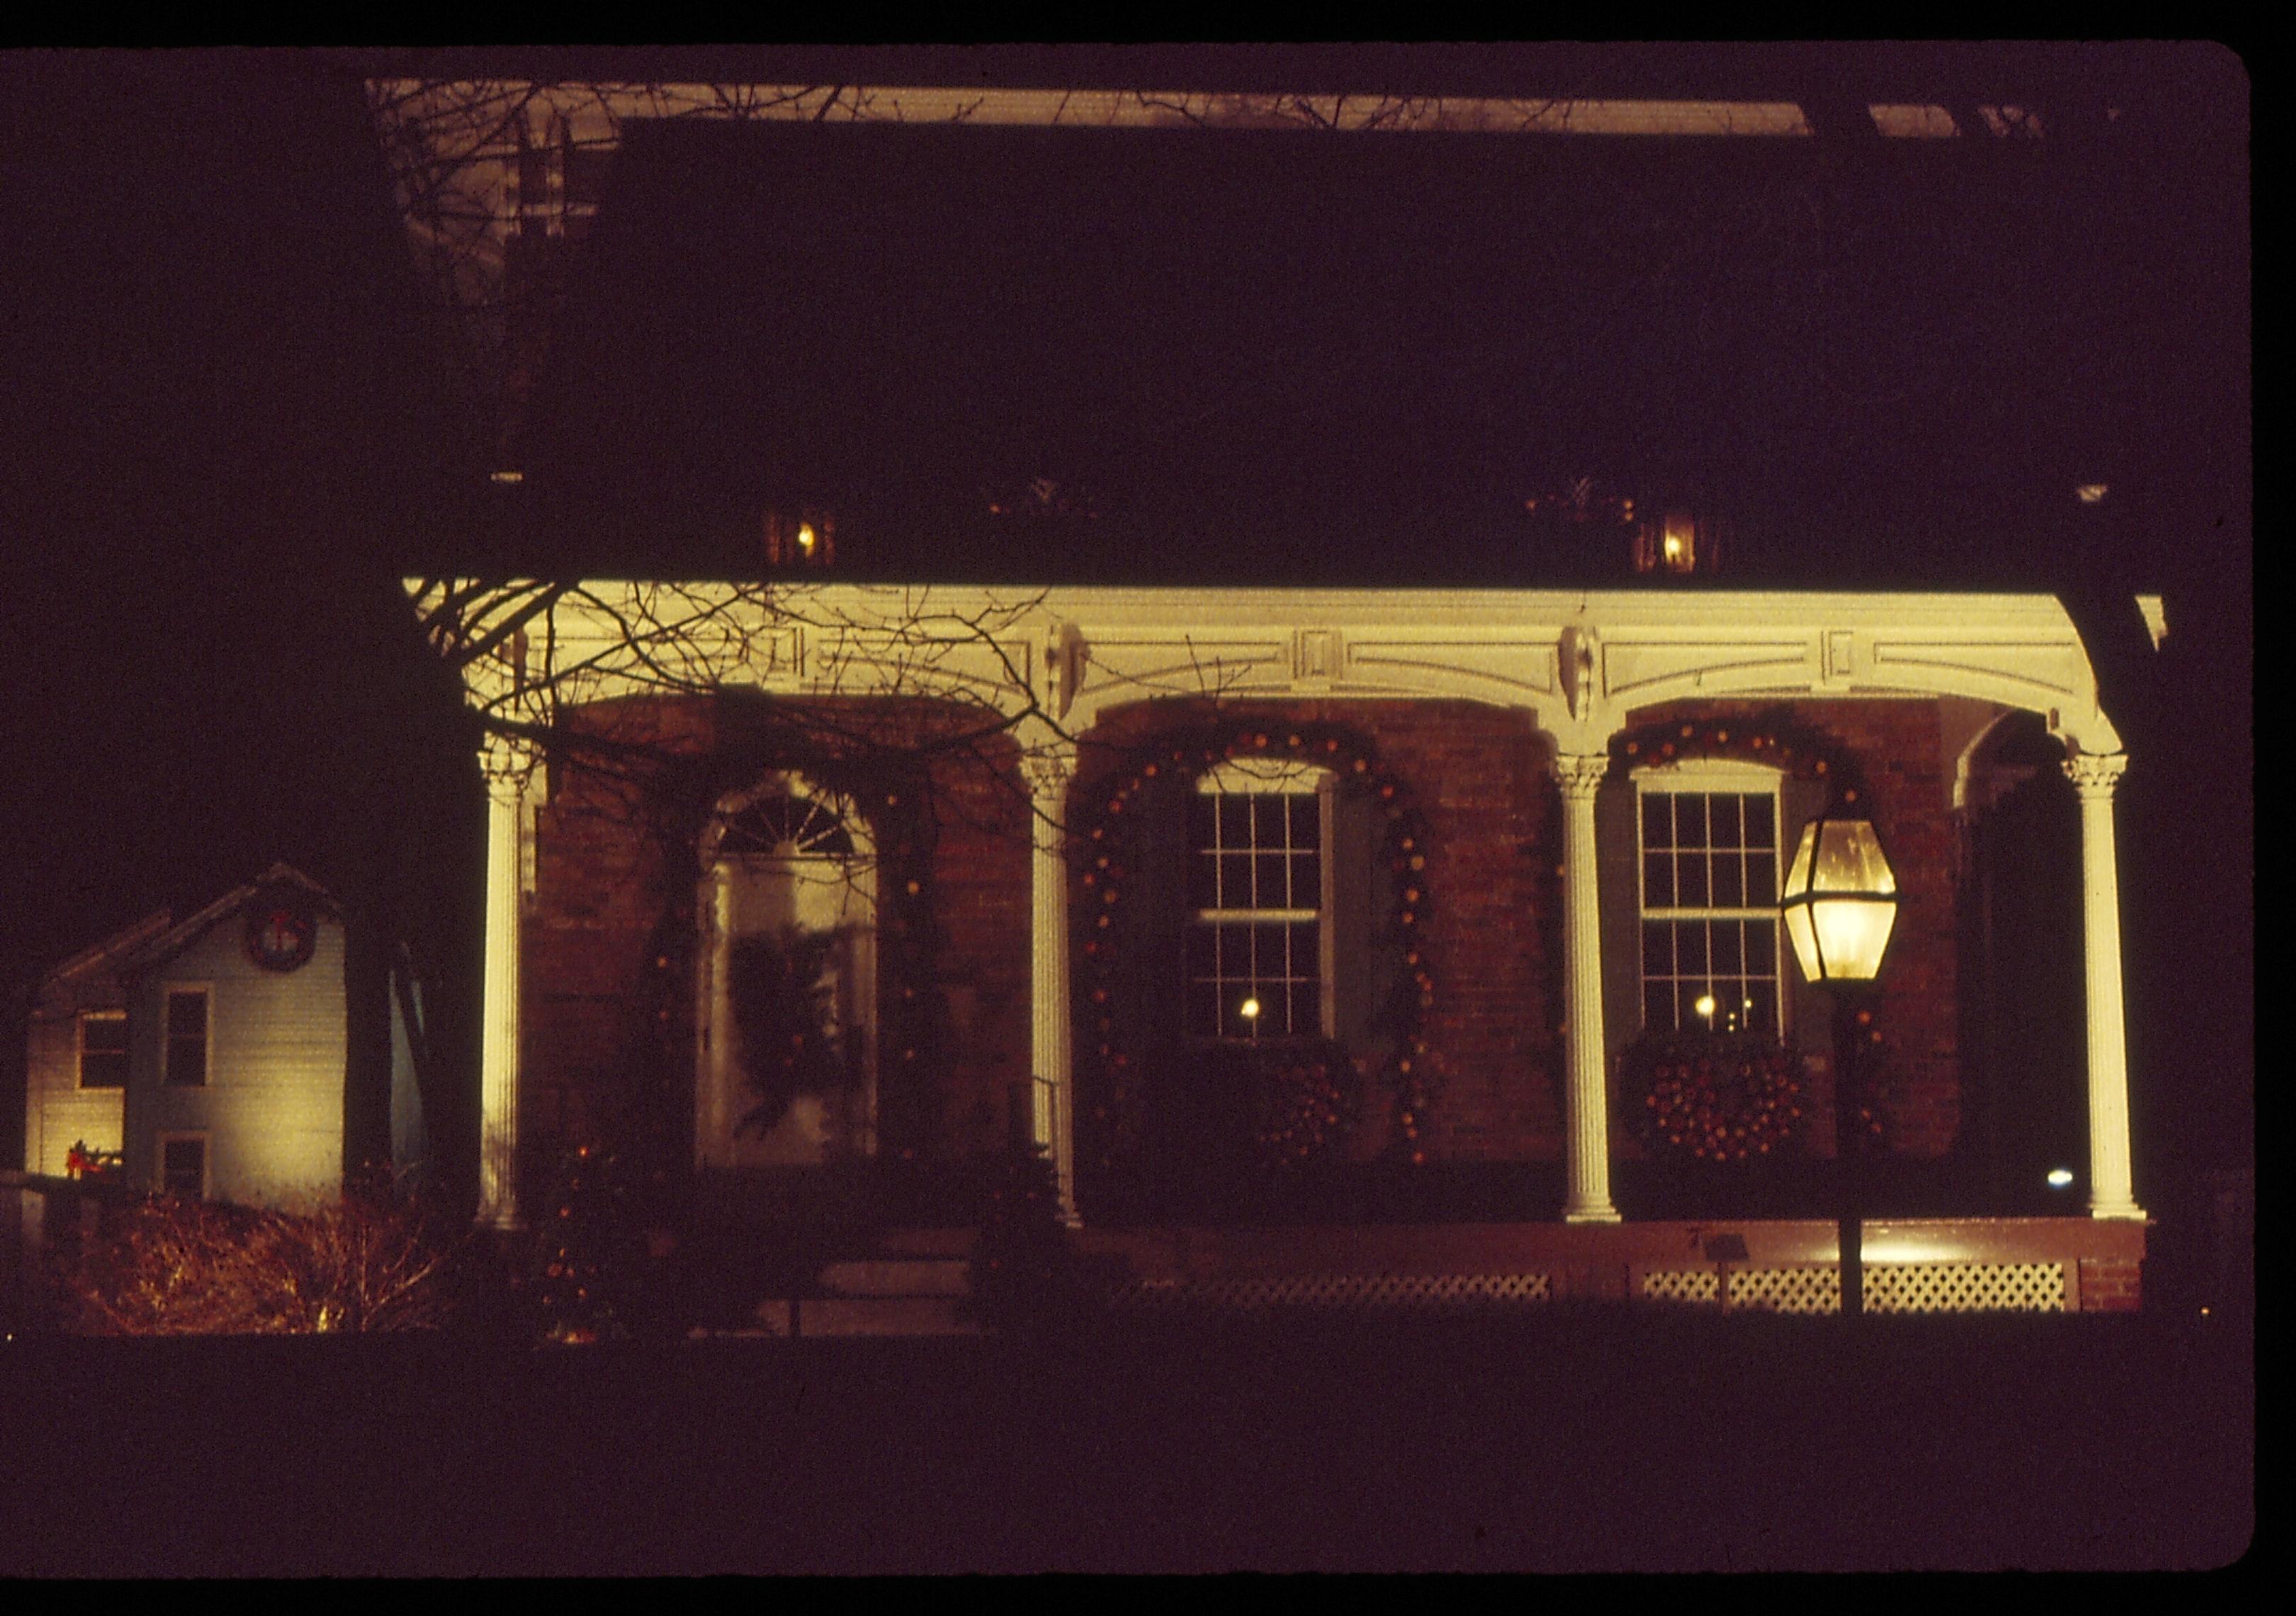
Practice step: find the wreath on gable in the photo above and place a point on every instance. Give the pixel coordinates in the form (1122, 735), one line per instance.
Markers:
(1310, 1107)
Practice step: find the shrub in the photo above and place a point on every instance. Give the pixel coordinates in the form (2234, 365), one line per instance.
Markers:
(1025, 1278)
(169, 1266)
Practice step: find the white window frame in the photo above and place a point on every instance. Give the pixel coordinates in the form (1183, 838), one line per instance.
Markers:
(1278, 777)
(1711, 776)
(80, 1068)
(168, 996)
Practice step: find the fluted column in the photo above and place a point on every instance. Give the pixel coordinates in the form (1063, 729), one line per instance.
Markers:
(2111, 1192)
(1052, 1123)
(506, 770)
(1586, 1107)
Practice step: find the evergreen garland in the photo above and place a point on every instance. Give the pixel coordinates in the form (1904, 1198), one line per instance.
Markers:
(1113, 1118)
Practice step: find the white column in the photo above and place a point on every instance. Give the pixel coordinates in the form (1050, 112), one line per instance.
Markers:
(1051, 1123)
(506, 770)
(2111, 1193)
(1586, 1100)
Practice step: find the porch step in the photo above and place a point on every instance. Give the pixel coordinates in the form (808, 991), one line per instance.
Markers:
(897, 1276)
(864, 1316)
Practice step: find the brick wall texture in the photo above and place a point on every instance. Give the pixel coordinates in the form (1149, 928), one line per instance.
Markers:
(608, 1000)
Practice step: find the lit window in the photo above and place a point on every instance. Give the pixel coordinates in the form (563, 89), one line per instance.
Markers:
(184, 1166)
(187, 1036)
(103, 1049)
(1259, 951)
(1708, 846)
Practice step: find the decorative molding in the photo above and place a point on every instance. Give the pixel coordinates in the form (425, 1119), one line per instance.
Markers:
(1579, 774)
(1316, 654)
(1643, 667)
(2095, 775)
(1501, 667)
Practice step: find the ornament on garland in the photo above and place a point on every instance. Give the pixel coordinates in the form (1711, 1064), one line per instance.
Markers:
(1777, 739)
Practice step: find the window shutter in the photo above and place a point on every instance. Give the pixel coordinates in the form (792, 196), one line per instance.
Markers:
(1362, 894)
(1155, 943)
(1620, 888)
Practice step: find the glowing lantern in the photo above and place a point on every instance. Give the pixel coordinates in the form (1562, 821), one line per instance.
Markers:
(1840, 901)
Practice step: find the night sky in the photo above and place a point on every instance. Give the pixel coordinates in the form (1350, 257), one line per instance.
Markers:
(229, 430)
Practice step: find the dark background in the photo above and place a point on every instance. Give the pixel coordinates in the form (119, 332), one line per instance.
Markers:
(229, 429)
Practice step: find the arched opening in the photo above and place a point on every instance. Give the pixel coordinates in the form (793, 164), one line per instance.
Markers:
(787, 1056)
(2025, 1015)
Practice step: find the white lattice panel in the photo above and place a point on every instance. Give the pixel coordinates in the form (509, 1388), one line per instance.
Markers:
(1345, 1291)
(1810, 1290)
(2037, 1287)
(1681, 1285)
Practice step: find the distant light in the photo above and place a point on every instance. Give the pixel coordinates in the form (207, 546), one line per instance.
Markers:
(805, 537)
(1704, 1005)
(2059, 1178)
(2092, 493)
(507, 477)
(1249, 1009)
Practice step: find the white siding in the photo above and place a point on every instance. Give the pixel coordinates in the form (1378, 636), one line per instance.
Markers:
(273, 1105)
(57, 1111)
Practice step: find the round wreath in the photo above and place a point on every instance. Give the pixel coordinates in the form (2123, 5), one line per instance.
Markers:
(1719, 1099)
(1103, 881)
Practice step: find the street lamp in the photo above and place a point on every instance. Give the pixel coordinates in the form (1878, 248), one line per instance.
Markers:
(1839, 902)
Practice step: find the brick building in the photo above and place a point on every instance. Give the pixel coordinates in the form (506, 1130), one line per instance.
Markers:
(1351, 932)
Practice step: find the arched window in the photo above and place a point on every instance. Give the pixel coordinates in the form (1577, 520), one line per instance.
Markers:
(787, 981)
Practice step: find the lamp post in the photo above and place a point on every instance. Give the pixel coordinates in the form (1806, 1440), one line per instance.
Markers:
(1839, 902)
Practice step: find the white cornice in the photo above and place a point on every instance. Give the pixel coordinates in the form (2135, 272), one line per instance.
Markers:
(608, 638)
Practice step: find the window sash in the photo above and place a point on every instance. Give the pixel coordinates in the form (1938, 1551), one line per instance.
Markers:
(103, 1049)
(1259, 932)
(1707, 857)
(187, 1038)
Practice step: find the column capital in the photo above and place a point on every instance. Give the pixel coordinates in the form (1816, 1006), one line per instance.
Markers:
(1579, 774)
(1049, 767)
(2093, 774)
(507, 763)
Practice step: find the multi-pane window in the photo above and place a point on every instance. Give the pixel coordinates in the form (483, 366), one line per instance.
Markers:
(1710, 893)
(184, 1166)
(103, 1049)
(187, 1036)
(1258, 940)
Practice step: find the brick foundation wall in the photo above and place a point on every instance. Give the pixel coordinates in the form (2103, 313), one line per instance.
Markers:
(2110, 1284)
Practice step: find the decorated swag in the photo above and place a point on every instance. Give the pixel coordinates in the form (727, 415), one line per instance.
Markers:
(1726, 1099)
(1299, 1100)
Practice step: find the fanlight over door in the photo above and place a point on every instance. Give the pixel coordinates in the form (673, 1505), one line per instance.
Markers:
(787, 1054)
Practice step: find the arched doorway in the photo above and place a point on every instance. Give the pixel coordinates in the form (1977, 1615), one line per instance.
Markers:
(788, 993)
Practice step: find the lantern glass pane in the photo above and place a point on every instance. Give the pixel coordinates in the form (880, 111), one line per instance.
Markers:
(1852, 933)
(1804, 938)
(1850, 859)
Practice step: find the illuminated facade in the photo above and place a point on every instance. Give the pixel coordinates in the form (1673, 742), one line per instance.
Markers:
(1210, 827)
(208, 1054)
(1322, 938)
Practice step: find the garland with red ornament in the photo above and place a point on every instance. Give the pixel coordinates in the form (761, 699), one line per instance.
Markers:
(1313, 1108)
(1776, 739)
